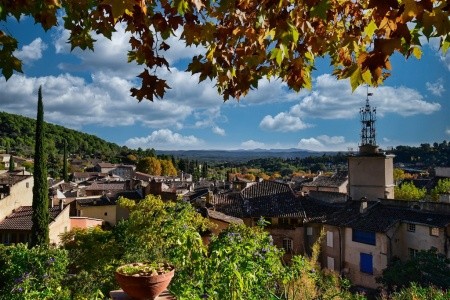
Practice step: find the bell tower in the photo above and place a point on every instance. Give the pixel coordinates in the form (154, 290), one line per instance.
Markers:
(370, 171)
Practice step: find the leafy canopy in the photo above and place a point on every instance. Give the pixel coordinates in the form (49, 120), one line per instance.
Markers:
(246, 40)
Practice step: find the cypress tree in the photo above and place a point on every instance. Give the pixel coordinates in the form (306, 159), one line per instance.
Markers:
(65, 176)
(11, 163)
(40, 217)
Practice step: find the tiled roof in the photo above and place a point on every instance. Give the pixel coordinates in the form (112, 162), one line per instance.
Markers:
(336, 180)
(266, 198)
(319, 211)
(223, 217)
(106, 186)
(20, 219)
(8, 178)
(95, 201)
(106, 165)
(378, 217)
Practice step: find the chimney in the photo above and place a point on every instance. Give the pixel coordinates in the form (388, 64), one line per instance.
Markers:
(61, 204)
(363, 206)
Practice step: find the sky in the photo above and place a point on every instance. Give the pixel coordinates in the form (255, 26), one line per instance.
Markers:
(89, 91)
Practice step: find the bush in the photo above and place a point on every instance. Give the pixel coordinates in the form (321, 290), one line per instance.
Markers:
(36, 273)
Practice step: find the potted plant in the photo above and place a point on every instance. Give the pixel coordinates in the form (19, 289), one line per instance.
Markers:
(144, 280)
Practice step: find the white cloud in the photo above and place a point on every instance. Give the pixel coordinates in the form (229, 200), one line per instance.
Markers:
(447, 131)
(219, 131)
(164, 139)
(71, 101)
(333, 99)
(282, 122)
(436, 88)
(251, 144)
(31, 52)
(310, 144)
(331, 139)
(325, 143)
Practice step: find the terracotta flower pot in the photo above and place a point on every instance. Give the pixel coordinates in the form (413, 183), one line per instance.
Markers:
(144, 287)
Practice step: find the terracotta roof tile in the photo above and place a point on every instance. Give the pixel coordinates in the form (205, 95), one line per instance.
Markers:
(20, 219)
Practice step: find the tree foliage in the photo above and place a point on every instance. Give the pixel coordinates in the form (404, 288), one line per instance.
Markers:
(442, 187)
(244, 40)
(149, 165)
(408, 191)
(426, 268)
(40, 217)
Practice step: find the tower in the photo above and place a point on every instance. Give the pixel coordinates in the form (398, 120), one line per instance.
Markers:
(370, 171)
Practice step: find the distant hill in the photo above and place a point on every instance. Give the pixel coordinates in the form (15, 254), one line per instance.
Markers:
(17, 135)
(240, 156)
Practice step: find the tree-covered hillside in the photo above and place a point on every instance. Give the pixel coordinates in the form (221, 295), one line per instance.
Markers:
(17, 136)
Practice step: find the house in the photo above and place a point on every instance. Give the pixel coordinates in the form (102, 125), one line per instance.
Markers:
(362, 237)
(16, 227)
(104, 188)
(97, 207)
(104, 167)
(123, 171)
(273, 201)
(336, 183)
(15, 191)
(4, 160)
(239, 183)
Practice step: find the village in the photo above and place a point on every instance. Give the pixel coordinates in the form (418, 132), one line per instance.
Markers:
(364, 227)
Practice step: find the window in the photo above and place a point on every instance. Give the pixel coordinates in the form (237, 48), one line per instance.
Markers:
(309, 230)
(330, 239)
(411, 227)
(364, 237)
(412, 252)
(27, 184)
(366, 263)
(106, 213)
(283, 221)
(330, 263)
(434, 231)
(287, 245)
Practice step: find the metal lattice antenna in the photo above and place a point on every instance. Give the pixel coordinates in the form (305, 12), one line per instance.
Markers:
(368, 118)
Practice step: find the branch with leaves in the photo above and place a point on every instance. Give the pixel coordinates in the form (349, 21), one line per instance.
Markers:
(246, 40)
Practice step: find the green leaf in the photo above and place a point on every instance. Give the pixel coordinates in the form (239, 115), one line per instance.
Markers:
(294, 33)
(320, 10)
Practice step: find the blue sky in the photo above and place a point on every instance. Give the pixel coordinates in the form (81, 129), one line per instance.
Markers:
(89, 91)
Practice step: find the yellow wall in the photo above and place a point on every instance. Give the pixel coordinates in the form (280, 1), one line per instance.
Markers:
(105, 212)
(59, 226)
(21, 194)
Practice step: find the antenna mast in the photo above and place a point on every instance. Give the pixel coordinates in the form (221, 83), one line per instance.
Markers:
(368, 118)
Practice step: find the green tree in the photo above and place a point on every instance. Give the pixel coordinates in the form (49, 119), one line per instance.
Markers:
(408, 191)
(442, 187)
(65, 175)
(245, 41)
(40, 217)
(426, 268)
(11, 163)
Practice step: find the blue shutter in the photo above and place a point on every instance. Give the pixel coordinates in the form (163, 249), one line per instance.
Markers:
(365, 263)
(365, 237)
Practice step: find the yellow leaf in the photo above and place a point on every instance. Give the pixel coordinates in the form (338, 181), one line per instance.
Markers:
(417, 52)
(370, 28)
(367, 77)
